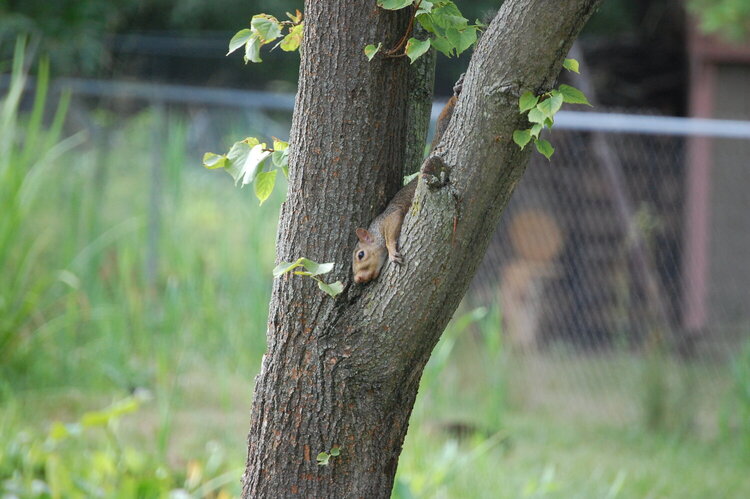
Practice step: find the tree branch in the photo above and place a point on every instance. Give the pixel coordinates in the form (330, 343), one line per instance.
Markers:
(345, 371)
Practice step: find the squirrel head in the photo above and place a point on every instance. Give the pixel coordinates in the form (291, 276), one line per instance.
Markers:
(368, 257)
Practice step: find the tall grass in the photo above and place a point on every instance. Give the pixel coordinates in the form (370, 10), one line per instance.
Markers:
(122, 260)
(736, 410)
(127, 268)
(28, 151)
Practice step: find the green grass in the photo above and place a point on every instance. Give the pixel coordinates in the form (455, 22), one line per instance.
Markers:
(557, 436)
(133, 310)
(546, 456)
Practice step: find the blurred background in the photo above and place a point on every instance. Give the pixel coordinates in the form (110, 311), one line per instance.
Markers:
(602, 351)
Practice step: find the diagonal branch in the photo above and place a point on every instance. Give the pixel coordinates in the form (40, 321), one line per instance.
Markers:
(344, 372)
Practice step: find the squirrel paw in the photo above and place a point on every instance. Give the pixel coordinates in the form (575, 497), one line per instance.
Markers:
(396, 258)
(435, 172)
(459, 85)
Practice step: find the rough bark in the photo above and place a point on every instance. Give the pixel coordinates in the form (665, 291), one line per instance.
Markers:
(345, 371)
(421, 80)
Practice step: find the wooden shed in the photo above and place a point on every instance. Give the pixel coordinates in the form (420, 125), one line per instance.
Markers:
(717, 205)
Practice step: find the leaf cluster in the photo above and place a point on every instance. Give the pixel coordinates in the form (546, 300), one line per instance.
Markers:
(247, 162)
(450, 32)
(313, 270)
(541, 111)
(89, 458)
(324, 457)
(265, 29)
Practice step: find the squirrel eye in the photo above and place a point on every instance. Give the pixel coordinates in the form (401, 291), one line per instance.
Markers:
(361, 255)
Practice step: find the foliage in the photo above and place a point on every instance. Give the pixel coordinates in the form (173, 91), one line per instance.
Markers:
(90, 458)
(729, 19)
(736, 412)
(185, 340)
(551, 436)
(69, 31)
(246, 162)
(265, 29)
(323, 458)
(312, 270)
(541, 111)
(95, 278)
(27, 152)
(83, 311)
(76, 33)
(451, 33)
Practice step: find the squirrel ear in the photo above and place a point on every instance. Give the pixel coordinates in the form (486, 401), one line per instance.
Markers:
(364, 236)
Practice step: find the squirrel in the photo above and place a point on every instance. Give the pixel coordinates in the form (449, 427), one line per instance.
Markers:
(381, 238)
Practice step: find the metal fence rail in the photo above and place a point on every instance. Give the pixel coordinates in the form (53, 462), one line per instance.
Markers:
(272, 101)
(587, 267)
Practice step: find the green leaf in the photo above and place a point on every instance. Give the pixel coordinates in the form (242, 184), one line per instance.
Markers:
(335, 450)
(527, 101)
(453, 36)
(323, 458)
(280, 155)
(293, 40)
(536, 116)
(443, 46)
(572, 95)
(284, 267)
(521, 137)
(332, 289)
(551, 105)
(462, 39)
(264, 183)
(213, 161)
(239, 39)
(536, 129)
(245, 160)
(424, 7)
(254, 163)
(371, 50)
(252, 50)
(394, 4)
(279, 145)
(544, 147)
(556, 102)
(425, 20)
(415, 48)
(267, 27)
(314, 268)
(571, 65)
(448, 16)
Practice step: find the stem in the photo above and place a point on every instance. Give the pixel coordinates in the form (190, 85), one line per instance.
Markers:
(408, 32)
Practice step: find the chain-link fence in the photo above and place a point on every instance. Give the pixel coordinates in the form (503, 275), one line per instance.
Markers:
(593, 269)
(617, 277)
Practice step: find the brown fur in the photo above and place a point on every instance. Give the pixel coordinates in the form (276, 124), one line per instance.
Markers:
(381, 238)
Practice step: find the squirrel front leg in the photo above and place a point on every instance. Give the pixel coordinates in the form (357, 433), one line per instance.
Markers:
(391, 232)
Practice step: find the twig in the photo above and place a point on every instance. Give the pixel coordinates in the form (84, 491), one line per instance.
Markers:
(404, 38)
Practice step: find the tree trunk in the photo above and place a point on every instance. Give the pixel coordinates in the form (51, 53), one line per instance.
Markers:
(344, 372)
